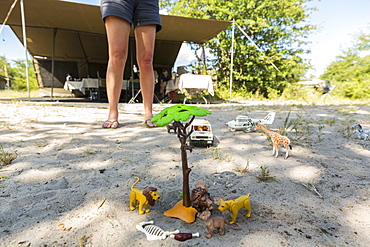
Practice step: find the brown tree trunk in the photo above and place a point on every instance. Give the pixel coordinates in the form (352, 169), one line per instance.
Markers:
(185, 176)
(183, 136)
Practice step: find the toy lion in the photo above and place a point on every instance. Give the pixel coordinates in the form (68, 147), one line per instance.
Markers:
(142, 199)
(234, 205)
(200, 198)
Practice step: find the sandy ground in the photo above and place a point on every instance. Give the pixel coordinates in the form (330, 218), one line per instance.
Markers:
(70, 184)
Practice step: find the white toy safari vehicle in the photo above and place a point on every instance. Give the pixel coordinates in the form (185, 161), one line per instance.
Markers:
(244, 122)
(202, 133)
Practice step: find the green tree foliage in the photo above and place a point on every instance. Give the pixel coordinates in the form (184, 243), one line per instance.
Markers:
(179, 112)
(3, 65)
(17, 73)
(277, 27)
(165, 4)
(350, 72)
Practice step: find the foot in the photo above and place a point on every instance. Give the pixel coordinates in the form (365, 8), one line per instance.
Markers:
(149, 124)
(110, 124)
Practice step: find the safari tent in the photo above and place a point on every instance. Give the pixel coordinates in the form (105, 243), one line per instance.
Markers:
(69, 38)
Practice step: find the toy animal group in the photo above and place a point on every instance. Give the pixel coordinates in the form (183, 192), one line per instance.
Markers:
(201, 199)
(217, 224)
(202, 202)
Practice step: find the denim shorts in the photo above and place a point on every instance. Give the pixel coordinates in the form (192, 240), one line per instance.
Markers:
(136, 12)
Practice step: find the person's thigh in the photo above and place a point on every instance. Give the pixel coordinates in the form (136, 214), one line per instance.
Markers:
(118, 31)
(145, 40)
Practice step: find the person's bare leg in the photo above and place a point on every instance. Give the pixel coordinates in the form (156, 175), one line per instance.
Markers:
(118, 31)
(145, 40)
(162, 89)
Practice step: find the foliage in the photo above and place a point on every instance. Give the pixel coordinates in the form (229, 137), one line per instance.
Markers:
(5, 65)
(265, 174)
(17, 74)
(277, 27)
(5, 157)
(350, 72)
(178, 112)
(163, 4)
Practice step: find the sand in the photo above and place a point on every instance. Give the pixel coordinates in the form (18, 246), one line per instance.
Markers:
(70, 182)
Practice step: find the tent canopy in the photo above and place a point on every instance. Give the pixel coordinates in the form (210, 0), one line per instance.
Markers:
(76, 34)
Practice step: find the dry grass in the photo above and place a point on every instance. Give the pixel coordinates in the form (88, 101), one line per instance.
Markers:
(265, 174)
(6, 158)
(18, 94)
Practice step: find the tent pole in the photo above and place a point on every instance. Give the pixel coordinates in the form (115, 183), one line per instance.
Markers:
(84, 52)
(132, 68)
(7, 16)
(25, 47)
(232, 60)
(53, 64)
(204, 58)
(259, 49)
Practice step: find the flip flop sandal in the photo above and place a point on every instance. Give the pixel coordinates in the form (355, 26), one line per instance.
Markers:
(111, 124)
(149, 124)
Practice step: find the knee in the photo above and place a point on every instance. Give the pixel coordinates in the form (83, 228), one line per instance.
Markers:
(146, 62)
(118, 59)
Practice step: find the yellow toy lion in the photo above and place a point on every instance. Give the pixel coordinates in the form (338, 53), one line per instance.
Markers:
(234, 205)
(142, 199)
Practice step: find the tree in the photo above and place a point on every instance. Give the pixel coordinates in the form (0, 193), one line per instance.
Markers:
(179, 114)
(350, 72)
(5, 65)
(277, 27)
(19, 82)
(17, 74)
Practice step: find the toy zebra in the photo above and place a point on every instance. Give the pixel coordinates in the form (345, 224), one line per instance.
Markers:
(361, 133)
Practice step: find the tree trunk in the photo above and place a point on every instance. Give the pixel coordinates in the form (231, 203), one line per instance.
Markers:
(183, 136)
(185, 176)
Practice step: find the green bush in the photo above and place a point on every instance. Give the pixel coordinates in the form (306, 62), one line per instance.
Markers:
(19, 81)
(353, 89)
(16, 72)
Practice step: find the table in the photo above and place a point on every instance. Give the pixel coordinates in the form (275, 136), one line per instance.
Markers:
(195, 84)
(90, 83)
(85, 83)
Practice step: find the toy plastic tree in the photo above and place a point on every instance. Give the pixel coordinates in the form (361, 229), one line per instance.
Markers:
(180, 114)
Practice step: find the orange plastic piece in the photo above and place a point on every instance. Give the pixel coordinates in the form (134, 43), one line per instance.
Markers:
(181, 212)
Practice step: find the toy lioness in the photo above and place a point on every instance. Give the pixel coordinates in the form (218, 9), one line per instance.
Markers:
(234, 205)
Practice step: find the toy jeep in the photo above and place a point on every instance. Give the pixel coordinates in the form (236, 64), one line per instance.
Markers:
(202, 133)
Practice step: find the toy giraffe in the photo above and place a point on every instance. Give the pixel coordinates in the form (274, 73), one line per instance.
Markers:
(276, 140)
